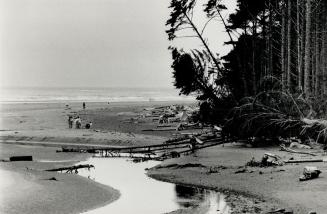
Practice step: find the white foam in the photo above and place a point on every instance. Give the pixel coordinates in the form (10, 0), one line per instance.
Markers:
(53, 95)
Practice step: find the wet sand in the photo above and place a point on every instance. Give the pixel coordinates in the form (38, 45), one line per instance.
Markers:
(267, 189)
(257, 191)
(26, 188)
(48, 123)
(45, 125)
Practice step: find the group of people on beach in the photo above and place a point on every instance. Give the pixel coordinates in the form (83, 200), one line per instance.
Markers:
(77, 122)
(74, 121)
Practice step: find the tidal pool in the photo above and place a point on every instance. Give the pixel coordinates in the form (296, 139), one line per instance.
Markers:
(142, 194)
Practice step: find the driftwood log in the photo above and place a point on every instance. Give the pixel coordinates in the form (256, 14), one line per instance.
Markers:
(283, 148)
(70, 169)
(21, 158)
(306, 161)
(159, 129)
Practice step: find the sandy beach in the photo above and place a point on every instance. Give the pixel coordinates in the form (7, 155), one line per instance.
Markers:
(270, 188)
(39, 129)
(27, 188)
(48, 122)
(258, 190)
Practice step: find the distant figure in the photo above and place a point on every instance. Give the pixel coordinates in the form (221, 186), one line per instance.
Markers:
(78, 122)
(88, 125)
(67, 107)
(70, 121)
(163, 119)
(83, 105)
(192, 144)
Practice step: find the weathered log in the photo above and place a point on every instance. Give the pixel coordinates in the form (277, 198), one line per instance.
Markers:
(164, 126)
(217, 128)
(174, 140)
(198, 140)
(305, 161)
(283, 148)
(21, 158)
(310, 172)
(281, 210)
(162, 129)
(70, 169)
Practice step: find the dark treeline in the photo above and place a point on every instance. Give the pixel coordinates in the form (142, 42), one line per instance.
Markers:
(274, 77)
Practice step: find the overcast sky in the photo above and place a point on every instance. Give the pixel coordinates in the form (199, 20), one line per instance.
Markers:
(89, 43)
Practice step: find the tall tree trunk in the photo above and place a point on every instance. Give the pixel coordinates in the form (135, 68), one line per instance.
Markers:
(270, 44)
(289, 45)
(307, 48)
(253, 72)
(313, 51)
(324, 48)
(298, 41)
(303, 43)
(317, 53)
(283, 45)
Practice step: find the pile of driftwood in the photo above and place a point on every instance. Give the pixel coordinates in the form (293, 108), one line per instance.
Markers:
(172, 148)
(168, 118)
(268, 159)
(172, 118)
(195, 142)
(274, 160)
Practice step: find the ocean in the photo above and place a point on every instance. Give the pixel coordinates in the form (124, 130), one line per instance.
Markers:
(63, 95)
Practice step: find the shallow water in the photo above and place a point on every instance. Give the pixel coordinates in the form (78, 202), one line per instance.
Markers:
(101, 94)
(141, 194)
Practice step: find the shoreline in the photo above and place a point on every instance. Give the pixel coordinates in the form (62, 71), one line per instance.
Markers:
(279, 187)
(25, 123)
(37, 191)
(36, 171)
(237, 200)
(233, 197)
(150, 102)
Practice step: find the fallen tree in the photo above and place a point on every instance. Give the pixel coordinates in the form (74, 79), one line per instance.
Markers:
(274, 115)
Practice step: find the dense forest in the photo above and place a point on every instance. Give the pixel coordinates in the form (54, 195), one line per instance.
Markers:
(273, 82)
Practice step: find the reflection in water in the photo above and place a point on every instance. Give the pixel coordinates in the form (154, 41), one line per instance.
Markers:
(189, 196)
(217, 204)
(193, 197)
(141, 194)
(187, 192)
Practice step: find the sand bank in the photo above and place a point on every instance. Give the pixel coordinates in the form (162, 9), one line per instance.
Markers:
(26, 188)
(267, 188)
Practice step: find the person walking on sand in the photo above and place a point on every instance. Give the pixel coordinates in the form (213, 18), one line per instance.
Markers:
(78, 122)
(83, 105)
(70, 121)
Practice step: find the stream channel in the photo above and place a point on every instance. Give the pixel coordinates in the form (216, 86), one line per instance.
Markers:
(142, 194)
